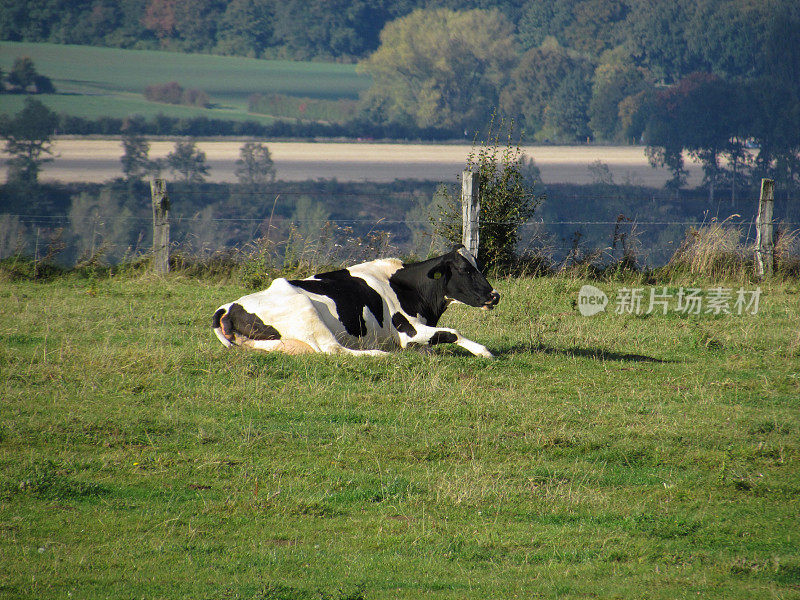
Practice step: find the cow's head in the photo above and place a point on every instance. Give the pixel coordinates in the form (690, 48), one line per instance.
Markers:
(463, 281)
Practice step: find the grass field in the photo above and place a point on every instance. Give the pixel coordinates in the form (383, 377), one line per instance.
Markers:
(610, 457)
(94, 82)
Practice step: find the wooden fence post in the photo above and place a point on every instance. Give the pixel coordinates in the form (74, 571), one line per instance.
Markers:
(158, 194)
(765, 246)
(471, 210)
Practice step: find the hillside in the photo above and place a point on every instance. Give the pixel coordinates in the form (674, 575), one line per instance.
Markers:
(110, 82)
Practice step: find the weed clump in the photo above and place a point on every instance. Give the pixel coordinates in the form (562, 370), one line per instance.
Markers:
(713, 250)
(47, 481)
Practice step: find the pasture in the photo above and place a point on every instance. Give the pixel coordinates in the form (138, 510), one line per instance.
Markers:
(96, 82)
(614, 456)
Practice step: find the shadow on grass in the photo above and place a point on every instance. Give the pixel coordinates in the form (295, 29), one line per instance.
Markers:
(593, 353)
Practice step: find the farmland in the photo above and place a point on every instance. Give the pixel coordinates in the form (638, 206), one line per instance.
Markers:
(614, 456)
(94, 160)
(109, 82)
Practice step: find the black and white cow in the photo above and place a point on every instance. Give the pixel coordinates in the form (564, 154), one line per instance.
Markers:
(365, 309)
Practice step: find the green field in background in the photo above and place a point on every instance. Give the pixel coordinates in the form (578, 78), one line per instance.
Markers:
(94, 82)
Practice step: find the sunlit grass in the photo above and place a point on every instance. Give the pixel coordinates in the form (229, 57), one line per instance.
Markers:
(615, 456)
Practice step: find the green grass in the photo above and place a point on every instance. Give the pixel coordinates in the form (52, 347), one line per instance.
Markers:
(612, 456)
(94, 82)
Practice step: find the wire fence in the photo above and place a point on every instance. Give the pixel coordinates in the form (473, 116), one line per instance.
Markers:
(116, 233)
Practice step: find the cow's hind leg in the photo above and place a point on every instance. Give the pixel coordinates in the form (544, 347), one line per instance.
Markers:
(230, 321)
(305, 334)
(287, 346)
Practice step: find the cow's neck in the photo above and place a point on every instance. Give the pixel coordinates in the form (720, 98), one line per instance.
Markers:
(420, 295)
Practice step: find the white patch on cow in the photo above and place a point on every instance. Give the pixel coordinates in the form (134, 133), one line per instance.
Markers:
(380, 269)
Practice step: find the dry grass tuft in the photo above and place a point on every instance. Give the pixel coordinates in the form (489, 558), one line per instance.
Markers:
(787, 251)
(713, 250)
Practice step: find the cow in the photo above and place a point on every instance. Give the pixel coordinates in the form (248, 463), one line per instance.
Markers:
(366, 309)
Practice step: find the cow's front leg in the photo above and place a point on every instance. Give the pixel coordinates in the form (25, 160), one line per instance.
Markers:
(438, 335)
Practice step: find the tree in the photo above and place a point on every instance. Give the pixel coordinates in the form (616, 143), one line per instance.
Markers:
(728, 35)
(246, 27)
(657, 38)
(612, 84)
(196, 23)
(28, 140)
(699, 114)
(566, 116)
(43, 85)
(23, 73)
(542, 76)
(543, 19)
(440, 68)
(159, 17)
(188, 161)
(23, 76)
(664, 141)
(709, 116)
(507, 199)
(597, 25)
(773, 120)
(328, 28)
(255, 166)
(136, 163)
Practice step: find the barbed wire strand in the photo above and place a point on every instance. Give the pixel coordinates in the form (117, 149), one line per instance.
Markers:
(630, 222)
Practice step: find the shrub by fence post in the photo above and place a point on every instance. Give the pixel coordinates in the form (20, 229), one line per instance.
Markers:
(158, 194)
(470, 211)
(765, 246)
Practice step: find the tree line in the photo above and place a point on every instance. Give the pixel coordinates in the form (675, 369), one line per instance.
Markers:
(671, 38)
(29, 140)
(719, 79)
(712, 79)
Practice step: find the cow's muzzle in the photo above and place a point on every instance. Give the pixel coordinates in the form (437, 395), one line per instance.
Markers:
(494, 300)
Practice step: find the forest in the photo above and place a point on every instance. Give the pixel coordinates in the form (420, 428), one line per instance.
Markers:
(716, 80)
(712, 79)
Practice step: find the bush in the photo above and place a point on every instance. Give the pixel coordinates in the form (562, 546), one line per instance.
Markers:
(507, 200)
(194, 97)
(168, 93)
(43, 85)
(173, 93)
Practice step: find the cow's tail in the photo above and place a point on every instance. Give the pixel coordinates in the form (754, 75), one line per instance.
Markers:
(219, 323)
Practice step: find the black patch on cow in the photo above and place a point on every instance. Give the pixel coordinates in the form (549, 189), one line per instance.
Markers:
(227, 326)
(403, 325)
(442, 337)
(217, 316)
(247, 324)
(421, 293)
(350, 295)
(422, 287)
